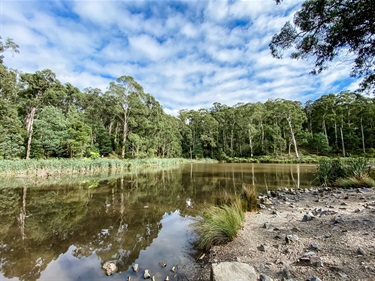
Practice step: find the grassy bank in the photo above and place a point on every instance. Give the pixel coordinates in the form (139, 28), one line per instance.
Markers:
(59, 167)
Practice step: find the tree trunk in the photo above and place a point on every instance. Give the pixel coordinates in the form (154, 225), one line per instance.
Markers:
(251, 144)
(29, 129)
(342, 142)
(124, 135)
(325, 130)
(293, 137)
(363, 138)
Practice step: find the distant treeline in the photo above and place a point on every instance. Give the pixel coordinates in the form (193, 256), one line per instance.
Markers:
(42, 118)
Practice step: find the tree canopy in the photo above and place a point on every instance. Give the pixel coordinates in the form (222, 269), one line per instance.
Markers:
(326, 30)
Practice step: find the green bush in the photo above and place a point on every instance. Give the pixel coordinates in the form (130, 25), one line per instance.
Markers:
(343, 172)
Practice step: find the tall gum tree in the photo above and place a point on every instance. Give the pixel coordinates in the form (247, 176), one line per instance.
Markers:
(292, 113)
(121, 90)
(35, 89)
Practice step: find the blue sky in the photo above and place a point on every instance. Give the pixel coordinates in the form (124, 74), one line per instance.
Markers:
(187, 54)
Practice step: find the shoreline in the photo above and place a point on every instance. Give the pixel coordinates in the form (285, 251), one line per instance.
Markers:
(322, 233)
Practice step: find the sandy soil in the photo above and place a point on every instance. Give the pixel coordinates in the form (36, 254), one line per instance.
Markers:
(298, 235)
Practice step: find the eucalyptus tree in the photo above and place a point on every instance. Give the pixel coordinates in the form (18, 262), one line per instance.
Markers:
(251, 123)
(11, 132)
(121, 91)
(50, 133)
(37, 90)
(292, 113)
(327, 30)
(8, 45)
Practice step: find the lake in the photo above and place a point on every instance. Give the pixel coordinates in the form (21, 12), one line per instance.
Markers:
(67, 232)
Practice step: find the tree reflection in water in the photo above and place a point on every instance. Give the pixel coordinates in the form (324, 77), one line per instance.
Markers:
(69, 231)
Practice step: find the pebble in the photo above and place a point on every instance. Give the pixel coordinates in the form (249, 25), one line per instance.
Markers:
(262, 248)
(135, 267)
(314, 278)
(146, 275)
(264, 277)
(308, 217)
(291, 238)
(361, 251)
(327, 235)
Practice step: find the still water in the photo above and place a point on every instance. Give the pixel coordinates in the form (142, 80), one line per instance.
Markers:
(67, 232)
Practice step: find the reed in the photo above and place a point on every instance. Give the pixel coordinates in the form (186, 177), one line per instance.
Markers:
(53, 167)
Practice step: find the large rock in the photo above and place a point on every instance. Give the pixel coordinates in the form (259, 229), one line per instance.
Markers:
(225, 271)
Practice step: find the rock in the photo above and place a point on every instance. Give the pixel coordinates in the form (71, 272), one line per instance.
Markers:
(361, 252)
(233, 271)
(110, 267)
(262, 248)
(291, 238)
(314, 278)
(146, 275)
(135, 267)
(327, 235)
(308, 217)
(266, 225)
(264, 277)
(314, 246)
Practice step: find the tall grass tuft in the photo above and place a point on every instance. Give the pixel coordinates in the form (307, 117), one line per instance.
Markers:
(219, 225)
(249, 195)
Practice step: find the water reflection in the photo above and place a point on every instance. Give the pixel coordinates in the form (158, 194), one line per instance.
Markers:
(68, 231)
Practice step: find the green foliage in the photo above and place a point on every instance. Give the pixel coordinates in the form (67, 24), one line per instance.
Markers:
(325, 30)
(219, 225)
(339, 172)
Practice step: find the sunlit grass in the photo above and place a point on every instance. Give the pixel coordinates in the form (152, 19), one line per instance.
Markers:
(52, 167)
(219, 225)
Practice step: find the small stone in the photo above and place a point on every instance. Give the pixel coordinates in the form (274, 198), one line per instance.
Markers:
(291, 238)
(264, 277)
(266, 225)
(135, 267)
(308, 217)
(262, 248)
(110, 267)
(361, 251)
(146, 275)
(314, 246)
(327, 235)
(314, 278)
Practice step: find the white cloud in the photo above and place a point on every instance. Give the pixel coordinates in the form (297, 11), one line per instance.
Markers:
(187, 54)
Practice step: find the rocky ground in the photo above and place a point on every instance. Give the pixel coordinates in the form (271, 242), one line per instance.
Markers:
(316, 234)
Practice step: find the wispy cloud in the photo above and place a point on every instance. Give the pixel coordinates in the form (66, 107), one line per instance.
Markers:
(188, 54)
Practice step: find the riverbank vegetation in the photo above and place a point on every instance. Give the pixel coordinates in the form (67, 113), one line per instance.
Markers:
(352, 172)
(67, 167)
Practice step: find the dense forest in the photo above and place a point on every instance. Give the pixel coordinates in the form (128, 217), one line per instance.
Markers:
(40, 117)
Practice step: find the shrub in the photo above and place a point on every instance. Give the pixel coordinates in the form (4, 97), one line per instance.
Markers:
(344, 173)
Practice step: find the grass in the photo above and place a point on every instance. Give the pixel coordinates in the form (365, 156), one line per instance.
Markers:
(219, 225)
(249, 194)
(56, 167)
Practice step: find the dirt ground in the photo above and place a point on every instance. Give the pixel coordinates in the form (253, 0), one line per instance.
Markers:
(316, 234)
